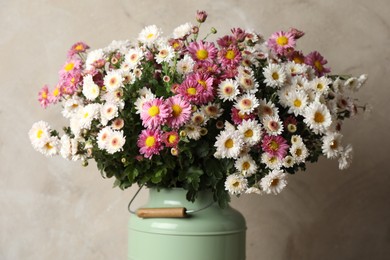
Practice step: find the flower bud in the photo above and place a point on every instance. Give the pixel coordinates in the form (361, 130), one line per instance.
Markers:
(201, 16)
(195, 30)
(213, 30)
(174, 151)
(84, 163)
(183, 133)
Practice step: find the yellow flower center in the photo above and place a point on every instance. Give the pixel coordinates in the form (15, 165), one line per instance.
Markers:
(229, 143)
(298, 152)
(176, 110)
(275, 76)
(153, 111)
(150, 35)
(203, 83)
(297, 103)
(248, 133)
(273, 145)
(318, 65)
(230, 55)
(319, 117)
(44, 95)
(56, 92)
(39, 133)
(202, 54)
(150, 140)
(274, 182)
(320, 86)
(282, 40)
(298, 60)
(86, 114)
(246, 166)
(79, 47)
(172, 139)
(236, 184)
(69, 66)
(48, 146)
(191, 91)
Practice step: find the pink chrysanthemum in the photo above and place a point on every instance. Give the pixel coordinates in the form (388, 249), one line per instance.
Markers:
(202, 51)
(71, 68)
(297, 57)
(155, 113)
(315, 60)
(43, 96)
(77, 48)
(226, 41)
(181, 111)
(238, 117)
(229, 57)
(275, 146)
(170, 139)
(55, 95)
(281, 42)
(149, 143)
(207, 93)
(207, 67)
(191, 90)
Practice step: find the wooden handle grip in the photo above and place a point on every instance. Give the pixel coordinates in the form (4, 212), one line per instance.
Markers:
(161, 213)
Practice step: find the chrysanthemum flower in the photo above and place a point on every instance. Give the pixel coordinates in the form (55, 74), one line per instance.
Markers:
(236, 184)
(246, 103)
(171, 139)
(185, 65)
(246, 165)
(181, 111)
(274, 75)
(43, 96)
(191, 90)
(78, 47)
(267, 108)
(55, 95)
(103, 137)
(87, 114)
(90, 89)
(199, 118)
(272, 125)
(331, 144)
(71, 106)
(107, 112)
(117, 124)
(320, 85)
(346, 157)
(317, 117)
(299, 152)
(202, 51)
(149, 142)
(193, 131)
(274, 182)
(206, 81)
(238, 116)
(281, 42)
(297, 102)
(165, 54)
(115, 142)
(288, 161)
(229, 144)
(149, 35)
(155, 113)
(228, 90)
(51, 146)
(229, 57)
(297, 57)
(275, 146)
(212, 110)
(39, 134)
(248, 83)
(113, 80)
(315, 60)
(182, 31)
(133, 57)
(251, 131)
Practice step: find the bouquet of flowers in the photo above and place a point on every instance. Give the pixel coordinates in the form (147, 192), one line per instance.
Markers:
(233, 116)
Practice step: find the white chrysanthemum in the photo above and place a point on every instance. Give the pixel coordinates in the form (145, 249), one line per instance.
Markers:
(246, 165)
(292, 68)
(182, 30)
(272, 125)
(90, 89)
(103, 136)
(51, 146)
(253, 190)
(245, 72)
(193, 131)
(212, 110)
(296, 139)
(115, 142)
(274, 182)
(275, 76)
(165, 54)
(331, 144)
(271, 162)
(128, 77)
(39, 134)
(71, 106)
(199, 118)
(133, 57)
(75, 147)
(246, 103)
(66, 148)
(120, 46)
(115, 97)
(228, 90)
(320, 85)
(248, 84)
(338, 85)
(87, 114)
(185, 65)
(92, 57)
(283, 94)
(267, 109)
(250, 131)
(300, 83)
(229, 144)
(317, 117)
(149, 35)
(345, 158)
(299, 152)
(236, 184)
(113, 80)
(74, 124)
(352, 83)
(107, 112)
(288, 161)
(297, 102)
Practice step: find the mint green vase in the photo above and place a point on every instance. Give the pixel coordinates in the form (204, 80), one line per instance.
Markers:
(211, 233)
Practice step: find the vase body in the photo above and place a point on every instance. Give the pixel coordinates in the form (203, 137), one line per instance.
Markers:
(209, 234)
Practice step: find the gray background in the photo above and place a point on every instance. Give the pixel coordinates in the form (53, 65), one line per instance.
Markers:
(54, 209)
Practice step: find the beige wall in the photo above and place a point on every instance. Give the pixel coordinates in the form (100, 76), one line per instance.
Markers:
(53, 209)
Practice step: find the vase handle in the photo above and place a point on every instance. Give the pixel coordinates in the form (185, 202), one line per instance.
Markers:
(162, 212)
